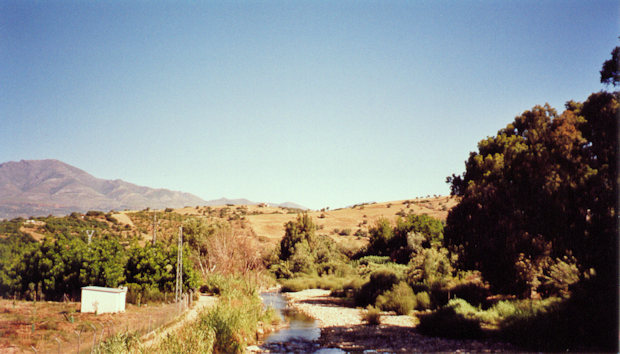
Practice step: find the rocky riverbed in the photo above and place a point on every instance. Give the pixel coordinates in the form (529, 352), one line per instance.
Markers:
(342, 327)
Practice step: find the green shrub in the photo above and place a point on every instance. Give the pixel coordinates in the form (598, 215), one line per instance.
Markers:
(559, 276)
(452, 321)
(400, 299)
(302, 260)
(473, 292)
(423, 301)
(398, 269)
(123, 342)
(141, 294)
(462, 307)
(215, 284)
(350, 287)
(300, 230)
(234, 320)
(228, 326)
(541, 325)
(366, 260)
(345, 232)
(378, 283)
(313, 282)
(371, 316)
(297, 284)
(504, 309)
(429, 265)
(94, 213)
(339, 269)
(281, 270)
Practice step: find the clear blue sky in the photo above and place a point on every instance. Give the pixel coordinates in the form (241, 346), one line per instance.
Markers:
(321, 103)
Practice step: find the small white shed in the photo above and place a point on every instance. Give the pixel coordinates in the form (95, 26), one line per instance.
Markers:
(98, 299)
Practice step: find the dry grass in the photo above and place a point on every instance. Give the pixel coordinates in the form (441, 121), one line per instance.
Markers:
(61, 320)
(123, 219)
(271, 226)
(266, 224)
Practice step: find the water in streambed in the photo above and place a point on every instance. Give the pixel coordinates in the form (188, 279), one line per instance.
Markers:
(301, 334)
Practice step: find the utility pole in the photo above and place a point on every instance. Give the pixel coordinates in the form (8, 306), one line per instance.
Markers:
(154, 227)
(90, 234)
(179, 282)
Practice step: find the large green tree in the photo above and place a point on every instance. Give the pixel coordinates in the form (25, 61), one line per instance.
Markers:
(295, 232)
(544, 187)
(610, 73)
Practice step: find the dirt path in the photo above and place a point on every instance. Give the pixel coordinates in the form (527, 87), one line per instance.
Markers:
(152, 340)
(342, 327)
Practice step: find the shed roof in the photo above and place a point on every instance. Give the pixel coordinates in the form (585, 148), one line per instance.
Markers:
(105, 290)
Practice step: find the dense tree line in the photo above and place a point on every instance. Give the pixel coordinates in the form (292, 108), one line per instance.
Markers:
(61, 265)
(402, 242)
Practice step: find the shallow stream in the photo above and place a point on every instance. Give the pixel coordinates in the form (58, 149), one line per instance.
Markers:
(301, 334)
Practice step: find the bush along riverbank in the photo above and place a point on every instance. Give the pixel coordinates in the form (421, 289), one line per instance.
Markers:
(406, 270)
(238, 320)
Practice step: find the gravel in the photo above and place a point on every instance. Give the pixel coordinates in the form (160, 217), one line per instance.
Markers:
(342, 327)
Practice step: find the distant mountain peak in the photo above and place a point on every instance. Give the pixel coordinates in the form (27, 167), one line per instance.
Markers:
(42, 187)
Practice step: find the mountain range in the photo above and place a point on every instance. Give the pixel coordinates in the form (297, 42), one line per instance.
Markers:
(43, 187)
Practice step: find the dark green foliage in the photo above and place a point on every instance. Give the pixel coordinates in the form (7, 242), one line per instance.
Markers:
(451, 321)
(301, 251)
(12, 249)
(423, 301)
(154, 267)
(234, 321)
(11, 228)
(610, 73)
(380, 238)
(361, 233)
(302, 260)
(544, 186)
(95, 213)
(475, 293)
(339, 269)
(399, 299)
(580, 323)
(327, 282)
(429, 266)
(74, 224)
(366, 260)
(372, 316)
(538, 213)
(345, 232)
(378, 283)
(299, 231)
(407, 238)
(64, 265)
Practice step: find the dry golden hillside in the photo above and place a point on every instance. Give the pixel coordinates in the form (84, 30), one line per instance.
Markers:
(267, 223)
(262, 223)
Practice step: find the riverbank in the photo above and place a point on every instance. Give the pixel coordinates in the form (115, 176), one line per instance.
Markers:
(342, 327)
(153, 339)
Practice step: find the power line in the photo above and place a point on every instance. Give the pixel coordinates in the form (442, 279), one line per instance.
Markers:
(179, 280)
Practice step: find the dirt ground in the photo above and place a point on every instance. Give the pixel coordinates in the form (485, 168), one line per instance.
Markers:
(204, 301)
(48, 326)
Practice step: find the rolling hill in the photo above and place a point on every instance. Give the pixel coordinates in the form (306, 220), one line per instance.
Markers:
(42, 187)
